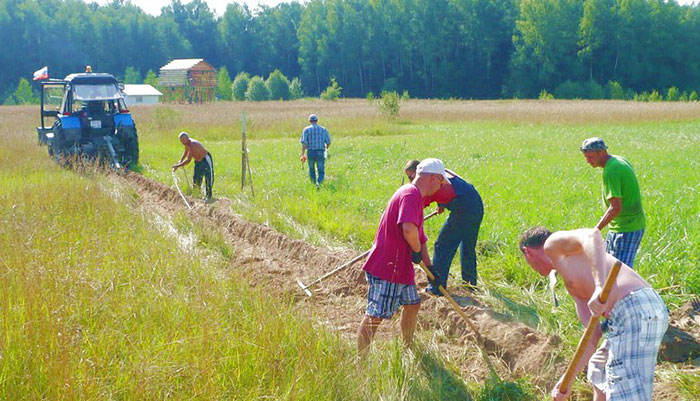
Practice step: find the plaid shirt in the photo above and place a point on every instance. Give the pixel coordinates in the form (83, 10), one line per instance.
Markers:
(315, 137)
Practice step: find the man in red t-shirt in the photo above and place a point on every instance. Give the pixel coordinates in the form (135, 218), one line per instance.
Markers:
(399, 242)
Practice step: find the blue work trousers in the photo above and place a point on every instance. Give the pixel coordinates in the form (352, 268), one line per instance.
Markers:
(316, 159)
(460, 230)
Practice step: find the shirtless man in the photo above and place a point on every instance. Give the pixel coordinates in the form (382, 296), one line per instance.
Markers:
(203, 164)
(622, 368)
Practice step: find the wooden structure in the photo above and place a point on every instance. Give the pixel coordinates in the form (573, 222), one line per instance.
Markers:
(190, 80)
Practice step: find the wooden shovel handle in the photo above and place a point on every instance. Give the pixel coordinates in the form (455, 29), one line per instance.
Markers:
(592, 323)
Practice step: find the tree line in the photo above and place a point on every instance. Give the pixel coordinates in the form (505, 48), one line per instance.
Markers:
(430, 48)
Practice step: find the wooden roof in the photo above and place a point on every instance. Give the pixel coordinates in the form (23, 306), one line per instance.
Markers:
(188, 64)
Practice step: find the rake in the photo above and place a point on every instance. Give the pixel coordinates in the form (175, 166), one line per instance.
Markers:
(305, 288)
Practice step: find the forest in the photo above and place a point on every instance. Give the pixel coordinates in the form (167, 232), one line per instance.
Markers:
(467, 49)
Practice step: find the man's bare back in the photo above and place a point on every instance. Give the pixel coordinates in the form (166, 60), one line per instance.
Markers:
(193, 150)
(575, 271)
(196, 150)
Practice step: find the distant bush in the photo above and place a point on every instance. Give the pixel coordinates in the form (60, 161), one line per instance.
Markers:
(151, 79)
(673, 94)
(579, 90)
(405, 95)
(641, 97)
(390, 103)
(332, 92)
(224, 88)
(278, 86)
(655, 96)
(295, 89)
(683, 97)
(693, 97)
(132, 76)
(240, 85)
(257, 90)
(22, 95)
(615, 90)
(544, 95)
(370, 96)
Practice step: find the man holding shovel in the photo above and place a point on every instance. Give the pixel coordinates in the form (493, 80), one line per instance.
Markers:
(399, 242)
(622, 368)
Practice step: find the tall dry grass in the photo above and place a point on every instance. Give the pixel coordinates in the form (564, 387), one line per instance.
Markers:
(352, 117)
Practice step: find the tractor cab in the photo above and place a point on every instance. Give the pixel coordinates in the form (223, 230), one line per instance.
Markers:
(90, 120)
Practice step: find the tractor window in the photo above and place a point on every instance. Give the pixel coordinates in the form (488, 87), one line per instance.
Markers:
(95, 92)
(53, 95)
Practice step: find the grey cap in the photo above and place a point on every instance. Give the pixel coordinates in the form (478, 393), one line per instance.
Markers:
(313, 117)
(594, 143)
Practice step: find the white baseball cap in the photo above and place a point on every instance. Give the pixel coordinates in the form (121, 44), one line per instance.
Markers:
(432, 166)
(313, 117)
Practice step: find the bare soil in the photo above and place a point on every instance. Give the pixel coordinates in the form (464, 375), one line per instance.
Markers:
(276, 262)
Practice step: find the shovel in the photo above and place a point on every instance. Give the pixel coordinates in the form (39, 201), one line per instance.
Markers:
(305, 288)
(479, 340)
(592, 324)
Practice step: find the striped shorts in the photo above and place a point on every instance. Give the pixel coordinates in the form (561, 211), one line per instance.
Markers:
(624, 246)
(635, 328)
(384, 297)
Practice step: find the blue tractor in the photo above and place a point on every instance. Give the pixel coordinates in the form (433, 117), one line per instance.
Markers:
(91, 122)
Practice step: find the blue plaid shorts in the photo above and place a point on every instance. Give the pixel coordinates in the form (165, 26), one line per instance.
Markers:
(635, 328)
(384, 297)
(624, 246)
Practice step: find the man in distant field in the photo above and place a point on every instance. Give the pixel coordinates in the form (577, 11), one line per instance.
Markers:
(203, 164)
(622, 368)
(315, 141)
(460, 230)
(400, 241)
(624, 215)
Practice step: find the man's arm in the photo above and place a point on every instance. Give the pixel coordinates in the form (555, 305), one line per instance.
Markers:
(186, 156)
(410, 234)
(612, 212)
(304, 144)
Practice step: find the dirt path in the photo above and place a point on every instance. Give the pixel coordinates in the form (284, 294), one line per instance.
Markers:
(276, 261)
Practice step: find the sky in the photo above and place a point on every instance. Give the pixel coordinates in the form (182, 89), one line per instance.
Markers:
(219, 6)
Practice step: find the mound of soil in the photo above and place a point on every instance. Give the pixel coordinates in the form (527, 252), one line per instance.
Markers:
(681, 343)
(279, 262)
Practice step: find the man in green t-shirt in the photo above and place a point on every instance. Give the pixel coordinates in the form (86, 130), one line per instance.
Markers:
(624, 215)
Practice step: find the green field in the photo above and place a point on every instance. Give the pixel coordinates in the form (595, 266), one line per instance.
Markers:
(100, 302)
(528, 173)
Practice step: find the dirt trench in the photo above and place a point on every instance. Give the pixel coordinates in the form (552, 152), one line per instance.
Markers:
(277, 261)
